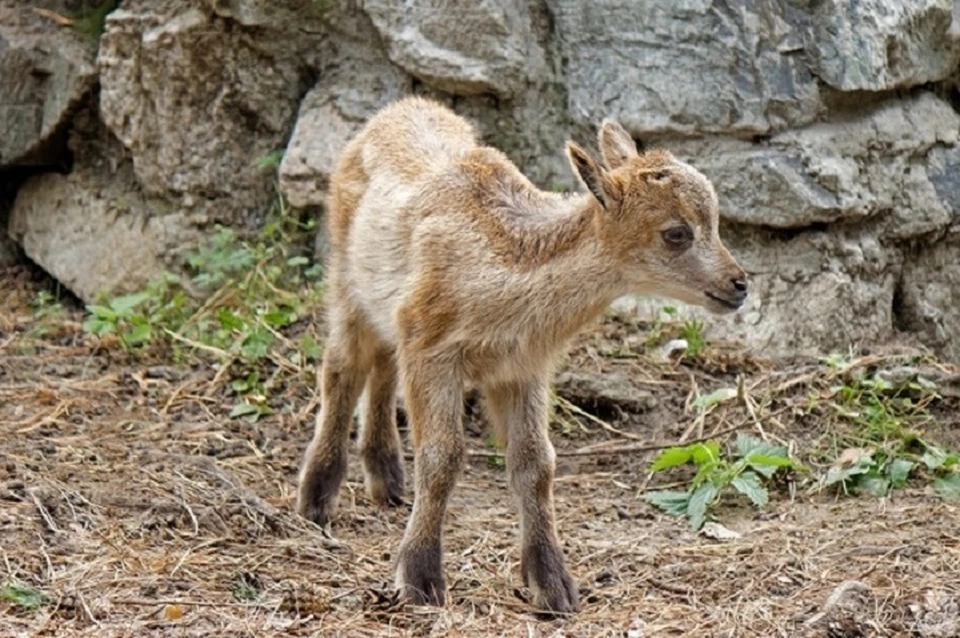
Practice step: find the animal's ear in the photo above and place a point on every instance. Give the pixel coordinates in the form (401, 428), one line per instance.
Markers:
(591, 174)
(616, 145)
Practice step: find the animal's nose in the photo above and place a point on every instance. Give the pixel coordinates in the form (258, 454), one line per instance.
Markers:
(739, 284)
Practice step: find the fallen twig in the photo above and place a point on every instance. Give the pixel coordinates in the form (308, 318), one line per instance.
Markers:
(651, 447)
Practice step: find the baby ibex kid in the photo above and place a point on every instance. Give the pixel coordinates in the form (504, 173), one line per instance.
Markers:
(448, 267)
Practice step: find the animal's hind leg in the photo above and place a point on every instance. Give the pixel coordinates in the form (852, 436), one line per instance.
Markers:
(346, 362)
(380, 446)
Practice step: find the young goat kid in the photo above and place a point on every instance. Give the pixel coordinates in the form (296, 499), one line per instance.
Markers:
(450, 268)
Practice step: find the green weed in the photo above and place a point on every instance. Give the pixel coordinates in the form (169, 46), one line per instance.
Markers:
(886, 448)
(692, 332)
(658, 332)
(48, 314)
(271, 159)
(241, 297)
(496, 461)
(754, 463)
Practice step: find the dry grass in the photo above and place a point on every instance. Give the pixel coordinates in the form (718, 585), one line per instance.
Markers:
(134, 503)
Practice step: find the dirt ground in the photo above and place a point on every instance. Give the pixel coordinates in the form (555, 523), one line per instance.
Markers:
(131, 499)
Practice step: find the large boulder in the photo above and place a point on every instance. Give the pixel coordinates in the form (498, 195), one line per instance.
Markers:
(877, 45)
(465, 47)
(929, 297)
(199, 101)
(686, 67)
(45, 72)
(93, 229)
(847, 169)
(330, 114)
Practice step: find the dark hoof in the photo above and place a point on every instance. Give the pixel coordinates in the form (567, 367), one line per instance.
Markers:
(384, 478)
(420, 576)
(545, 573)
(318, 491)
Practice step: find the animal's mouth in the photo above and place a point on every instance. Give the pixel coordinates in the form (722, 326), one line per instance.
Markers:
(726, 303)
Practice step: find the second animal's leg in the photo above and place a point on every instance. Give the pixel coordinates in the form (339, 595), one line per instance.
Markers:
(433, 394)
(346, 362)
(519, 411)
(380, 446)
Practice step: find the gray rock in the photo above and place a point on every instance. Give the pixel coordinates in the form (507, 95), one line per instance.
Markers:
(607, 390)
(685, 67)
(320, 135)
(93, 229)
(465, 47)
(198, 102)
(45, 72)
(330, 114)
(928, 377)
(770, 187)
(848, 169)
(943, 171)
(930, 294)
(291, 16)
(875, 45)
(90, 235)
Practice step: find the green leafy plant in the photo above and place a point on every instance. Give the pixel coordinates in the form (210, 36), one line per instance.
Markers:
(48, 312)
(271, 159)
(754, 463)
(873, 471)
(879, 471)
(945, 467)
(886, 450)
(121, 316)
(239, 301)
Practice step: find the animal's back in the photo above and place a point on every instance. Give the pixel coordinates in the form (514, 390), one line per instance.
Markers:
(371, 219)
(396, 150)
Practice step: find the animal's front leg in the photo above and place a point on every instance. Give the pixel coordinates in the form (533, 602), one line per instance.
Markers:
(433, 395)
(519, 411)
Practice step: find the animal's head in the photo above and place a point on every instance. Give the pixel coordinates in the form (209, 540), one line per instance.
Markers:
(660, 222)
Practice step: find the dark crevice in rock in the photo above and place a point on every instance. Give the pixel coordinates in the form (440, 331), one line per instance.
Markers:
(899, 310)
(854, 103)
(786, 234)
(544, 22)
(949, 92)
(772, 233)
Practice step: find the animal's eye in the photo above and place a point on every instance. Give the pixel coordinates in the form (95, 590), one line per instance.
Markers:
(678, 235)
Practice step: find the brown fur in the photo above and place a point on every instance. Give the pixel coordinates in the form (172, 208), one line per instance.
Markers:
(449, 268)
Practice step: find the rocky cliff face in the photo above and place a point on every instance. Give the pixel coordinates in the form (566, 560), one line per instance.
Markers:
(830, 129)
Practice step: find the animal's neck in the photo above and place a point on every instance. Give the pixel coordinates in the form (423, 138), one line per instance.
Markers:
(578, 281)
